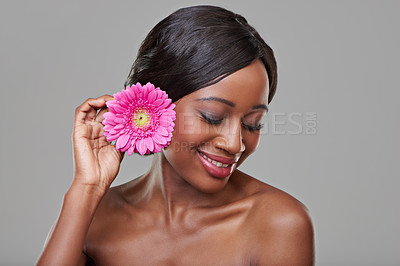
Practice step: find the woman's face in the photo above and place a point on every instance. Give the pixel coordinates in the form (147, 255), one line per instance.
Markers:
(217, 127)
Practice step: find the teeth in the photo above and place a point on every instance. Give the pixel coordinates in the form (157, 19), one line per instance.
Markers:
(219, 164)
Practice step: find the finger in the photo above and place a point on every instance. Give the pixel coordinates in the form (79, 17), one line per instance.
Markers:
(99, 117)
(88, 109)
(107, 97)
(89, 105)
(94, 116)
(92, 113)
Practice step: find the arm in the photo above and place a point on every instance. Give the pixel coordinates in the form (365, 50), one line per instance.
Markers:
(96, 166)
(65, 243)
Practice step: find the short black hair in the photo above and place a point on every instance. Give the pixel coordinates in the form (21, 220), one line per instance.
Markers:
(197, 46)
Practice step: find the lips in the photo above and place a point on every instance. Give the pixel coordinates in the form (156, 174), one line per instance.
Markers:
(217, 166)
(221, 159)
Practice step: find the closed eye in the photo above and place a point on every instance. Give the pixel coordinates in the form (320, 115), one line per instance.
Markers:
(210, 120)
(217, 121)
(253, 127)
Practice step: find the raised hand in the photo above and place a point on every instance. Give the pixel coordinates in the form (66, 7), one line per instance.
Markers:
(96, 161)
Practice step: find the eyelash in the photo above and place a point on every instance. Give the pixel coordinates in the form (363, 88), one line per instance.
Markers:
(253, 128)
(219, 121)
(211, 120)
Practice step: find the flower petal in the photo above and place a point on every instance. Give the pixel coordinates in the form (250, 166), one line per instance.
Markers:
(149, 143)
(150, 86)
(165, 104)
(119, 126)
(108, 103)
(162, 131)
(115, 132)
(157, 147)
(141, 146)
(145, 91)
(171, 107)
(112, 137)
(159, 139)
(158, 93)
(118, 120)
(152, 96)
(108, 127)
(108, 115)
(165, 121)
(119, 109)
(138, 90)
(131, 149)
(158, 102)
(130, 93)
(122, 141)
(170, 129)
(117, 96)
(111, 107)
(123, 104)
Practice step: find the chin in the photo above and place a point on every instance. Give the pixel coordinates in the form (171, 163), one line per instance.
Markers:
(211, 189)
(208, 184)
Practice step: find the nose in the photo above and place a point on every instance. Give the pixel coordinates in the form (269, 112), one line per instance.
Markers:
(230, 138)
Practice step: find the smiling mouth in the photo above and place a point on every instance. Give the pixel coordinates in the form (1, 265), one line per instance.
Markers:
(218, 164)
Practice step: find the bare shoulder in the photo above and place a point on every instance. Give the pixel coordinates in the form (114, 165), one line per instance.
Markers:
(281, 226)
(271, 205)
(111, 209)
(112, 204)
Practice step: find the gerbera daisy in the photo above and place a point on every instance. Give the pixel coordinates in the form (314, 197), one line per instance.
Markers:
(140, 119)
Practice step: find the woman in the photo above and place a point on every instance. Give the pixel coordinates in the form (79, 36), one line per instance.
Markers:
(193, 207)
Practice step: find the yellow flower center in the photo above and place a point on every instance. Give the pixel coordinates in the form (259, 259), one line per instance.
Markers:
(141, 118)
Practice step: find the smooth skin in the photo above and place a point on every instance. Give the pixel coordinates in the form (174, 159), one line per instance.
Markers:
(178, 213)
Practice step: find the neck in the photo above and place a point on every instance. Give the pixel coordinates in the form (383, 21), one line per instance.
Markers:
(163, 188)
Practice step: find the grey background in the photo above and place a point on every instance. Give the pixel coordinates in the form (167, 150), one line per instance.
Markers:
(338, 59)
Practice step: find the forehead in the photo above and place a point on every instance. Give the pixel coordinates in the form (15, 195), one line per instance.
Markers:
(247, 86)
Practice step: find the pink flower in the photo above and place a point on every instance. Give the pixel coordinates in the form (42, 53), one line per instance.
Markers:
(140, 119)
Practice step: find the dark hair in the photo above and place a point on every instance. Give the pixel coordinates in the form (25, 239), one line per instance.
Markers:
(198, 46)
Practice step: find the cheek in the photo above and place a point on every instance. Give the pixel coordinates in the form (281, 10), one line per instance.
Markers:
(181, 153)
(184, 133)
(190, 131)
(251, 141)
(187, 135)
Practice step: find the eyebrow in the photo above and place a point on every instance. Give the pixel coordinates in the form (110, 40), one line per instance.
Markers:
(260, 106)
(231, 104)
